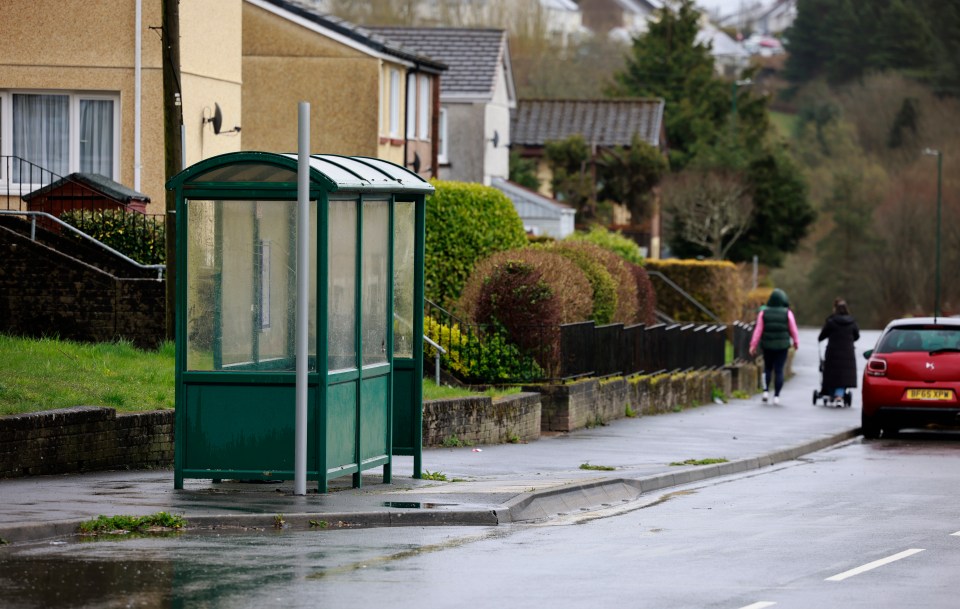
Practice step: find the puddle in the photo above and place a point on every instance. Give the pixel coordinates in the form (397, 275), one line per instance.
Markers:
(414, 505)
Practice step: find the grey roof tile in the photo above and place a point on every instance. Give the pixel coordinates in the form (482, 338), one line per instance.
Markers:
(609, 122)
(471, 54)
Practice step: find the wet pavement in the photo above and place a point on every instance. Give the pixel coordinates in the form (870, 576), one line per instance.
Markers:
(487, 485)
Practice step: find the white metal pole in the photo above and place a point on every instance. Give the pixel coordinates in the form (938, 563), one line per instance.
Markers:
(136, 98)
(303, 278)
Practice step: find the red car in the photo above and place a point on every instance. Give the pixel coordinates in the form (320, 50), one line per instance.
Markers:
(912, 377)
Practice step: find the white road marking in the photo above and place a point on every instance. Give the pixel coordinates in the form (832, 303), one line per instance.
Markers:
(760, 605)
(873, 565)
(957, 534)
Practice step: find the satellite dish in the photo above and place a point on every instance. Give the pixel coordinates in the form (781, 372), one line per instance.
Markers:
(416, 163)
(217, 118)
(496, 138)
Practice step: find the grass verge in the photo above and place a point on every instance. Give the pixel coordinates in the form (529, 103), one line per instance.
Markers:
(43, 374)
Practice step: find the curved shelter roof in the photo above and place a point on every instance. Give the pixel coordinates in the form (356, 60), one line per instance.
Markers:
(330, 172)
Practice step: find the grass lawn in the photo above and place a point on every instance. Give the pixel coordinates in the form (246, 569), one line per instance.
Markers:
(42, 374)
(784, 123)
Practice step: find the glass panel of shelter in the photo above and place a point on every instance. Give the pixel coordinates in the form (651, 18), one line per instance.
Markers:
(241, 285)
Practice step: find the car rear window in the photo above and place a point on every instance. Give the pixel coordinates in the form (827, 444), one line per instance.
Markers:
(919, 338)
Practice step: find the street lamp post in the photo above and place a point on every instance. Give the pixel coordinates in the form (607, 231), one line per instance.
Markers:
(936, 297)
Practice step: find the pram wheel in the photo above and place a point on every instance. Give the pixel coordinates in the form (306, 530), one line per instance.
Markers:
(848, 399)
(816, 396)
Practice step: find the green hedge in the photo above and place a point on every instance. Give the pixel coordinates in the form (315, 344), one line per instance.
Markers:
(490, 359)
(133, 234)
(616, 242)
(604, 288)
(715, 284)
(465, 223)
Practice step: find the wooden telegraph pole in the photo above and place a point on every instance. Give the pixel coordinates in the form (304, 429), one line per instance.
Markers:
(172, 146)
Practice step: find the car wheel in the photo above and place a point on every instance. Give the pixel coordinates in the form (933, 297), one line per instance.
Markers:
(869, 427)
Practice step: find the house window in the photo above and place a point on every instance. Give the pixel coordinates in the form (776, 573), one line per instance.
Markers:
(442, 139)
(394, 103)
(59, 133)
(411, 106)
(424, 123)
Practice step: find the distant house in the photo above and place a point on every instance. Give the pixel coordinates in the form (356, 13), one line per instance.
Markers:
(602, 124)
(764, 18)
(730, 57)
(369, 96)
(542, 216)
(476, 96)
(620, 20)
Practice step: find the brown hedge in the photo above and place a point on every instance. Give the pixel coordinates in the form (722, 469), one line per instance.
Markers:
(715, 284)
(626, 285)
(568, 284)
(646, 296)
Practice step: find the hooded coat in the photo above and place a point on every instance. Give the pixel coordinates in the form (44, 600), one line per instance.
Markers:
(840, 359)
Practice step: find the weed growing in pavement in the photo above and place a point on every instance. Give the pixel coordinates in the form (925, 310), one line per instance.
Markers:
(717, 394)
(699, 462)
(630, 413)
(438, 476)
(278, 521)
(740, 394)
(161, 521)
(455, 442)
(598, 468)
(513, 438)
(322, 524)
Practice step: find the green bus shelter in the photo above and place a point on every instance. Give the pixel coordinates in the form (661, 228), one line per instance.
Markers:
(236, 317)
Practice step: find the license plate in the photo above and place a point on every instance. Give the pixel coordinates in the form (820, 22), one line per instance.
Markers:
(929, 394)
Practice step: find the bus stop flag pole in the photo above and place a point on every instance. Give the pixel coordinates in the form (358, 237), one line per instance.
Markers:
(303, 276)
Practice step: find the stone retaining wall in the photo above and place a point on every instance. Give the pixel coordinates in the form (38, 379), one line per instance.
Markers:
(591, 402)
(84, 438)
(481, 420)
(88, 438)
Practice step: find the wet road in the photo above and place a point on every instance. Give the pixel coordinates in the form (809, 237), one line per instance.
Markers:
(866, 524)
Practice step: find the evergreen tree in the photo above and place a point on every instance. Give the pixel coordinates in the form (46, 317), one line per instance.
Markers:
(668, 62)
(807, 41)
(782, 214)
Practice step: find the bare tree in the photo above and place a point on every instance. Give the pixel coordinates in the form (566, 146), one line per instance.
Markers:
(709, 208)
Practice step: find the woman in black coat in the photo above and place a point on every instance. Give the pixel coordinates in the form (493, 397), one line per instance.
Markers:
(840, 360)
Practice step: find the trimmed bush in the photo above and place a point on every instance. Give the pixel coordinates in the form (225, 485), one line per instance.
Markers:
(490, 359)
(616, 242)
(568, 286)
(626, 307)
(133, 234)
(465, 223)
(604, 289)
(715, 284)
(528, 294)
(646, 296)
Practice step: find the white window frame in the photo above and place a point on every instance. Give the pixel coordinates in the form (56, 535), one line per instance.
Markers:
(394, 123)
(443, 135)
(423, 131)
(73, 160)
(411, 106)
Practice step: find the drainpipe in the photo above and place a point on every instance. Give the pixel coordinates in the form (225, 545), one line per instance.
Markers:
(136, 98)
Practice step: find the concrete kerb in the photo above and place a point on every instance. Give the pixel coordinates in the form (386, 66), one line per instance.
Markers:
(535, 505)
(539, 505)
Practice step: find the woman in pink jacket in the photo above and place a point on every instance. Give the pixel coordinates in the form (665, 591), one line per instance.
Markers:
(776, 329)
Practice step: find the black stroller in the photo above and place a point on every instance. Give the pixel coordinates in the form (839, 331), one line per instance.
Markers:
(823, 395)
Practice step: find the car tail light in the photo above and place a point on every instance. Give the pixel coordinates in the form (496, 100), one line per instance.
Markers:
(876, 367)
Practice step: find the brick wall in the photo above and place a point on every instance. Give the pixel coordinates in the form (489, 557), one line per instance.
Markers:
(84, 438)
(480, 420)
(44, 292)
